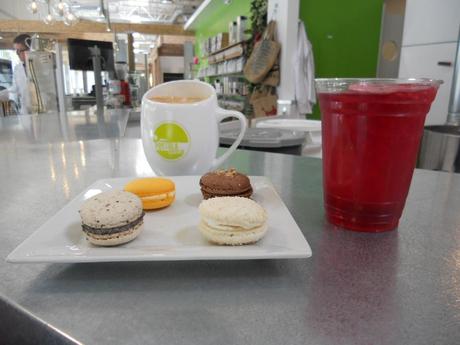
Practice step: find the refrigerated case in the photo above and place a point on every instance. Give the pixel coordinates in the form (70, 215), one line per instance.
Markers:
(6, 74)
(428, 47)
(41, 79)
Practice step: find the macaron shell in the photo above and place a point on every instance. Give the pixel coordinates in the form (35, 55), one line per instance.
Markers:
(233, 211)
(232, 220)
(225, 183)
(156, 204)
(111, 209)
(150, 186)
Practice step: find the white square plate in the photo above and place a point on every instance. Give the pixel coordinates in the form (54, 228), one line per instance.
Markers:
(169, 234)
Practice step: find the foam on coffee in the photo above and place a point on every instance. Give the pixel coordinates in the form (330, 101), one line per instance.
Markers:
(177, 99)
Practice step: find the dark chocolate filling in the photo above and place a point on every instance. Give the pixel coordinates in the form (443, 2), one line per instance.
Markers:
(216, 192)
(114, 230)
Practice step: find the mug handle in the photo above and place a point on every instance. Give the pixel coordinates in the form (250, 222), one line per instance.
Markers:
(222, 114)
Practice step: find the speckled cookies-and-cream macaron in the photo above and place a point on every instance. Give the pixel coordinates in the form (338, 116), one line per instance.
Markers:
(225, 183)
(232, 220)
(112, 218)
(155, 192)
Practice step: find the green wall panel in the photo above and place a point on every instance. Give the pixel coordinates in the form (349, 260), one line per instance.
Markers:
(212, 25)
(345, 36)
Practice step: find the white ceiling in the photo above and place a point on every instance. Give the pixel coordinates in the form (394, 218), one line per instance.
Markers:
(134, 11)
(138, 11)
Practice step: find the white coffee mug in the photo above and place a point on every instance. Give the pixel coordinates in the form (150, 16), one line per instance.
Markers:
(182, 138)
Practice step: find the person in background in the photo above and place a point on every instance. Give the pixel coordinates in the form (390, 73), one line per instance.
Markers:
(19, 90)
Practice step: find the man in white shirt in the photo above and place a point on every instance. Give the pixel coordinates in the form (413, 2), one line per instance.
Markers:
(19, 91)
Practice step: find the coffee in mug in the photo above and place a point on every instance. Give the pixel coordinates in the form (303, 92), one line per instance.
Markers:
(180, 128)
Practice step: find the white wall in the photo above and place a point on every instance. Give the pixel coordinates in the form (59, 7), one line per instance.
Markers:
(286, 14)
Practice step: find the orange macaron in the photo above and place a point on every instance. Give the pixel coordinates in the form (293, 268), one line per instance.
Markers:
(155, 192)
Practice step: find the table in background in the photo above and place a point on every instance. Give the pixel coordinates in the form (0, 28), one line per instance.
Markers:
(78, 101)
(401, 287)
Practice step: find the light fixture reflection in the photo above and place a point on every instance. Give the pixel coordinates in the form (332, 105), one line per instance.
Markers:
(51, 161)
(92, 192)
(63, 158)
(33, 7)
(76, 172)
(82, 154)
(66, 187)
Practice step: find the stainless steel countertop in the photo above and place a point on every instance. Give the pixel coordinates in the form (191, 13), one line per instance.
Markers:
(69, 126)
(401, 287)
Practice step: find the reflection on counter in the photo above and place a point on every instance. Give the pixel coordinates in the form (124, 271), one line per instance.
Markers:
(69, 126)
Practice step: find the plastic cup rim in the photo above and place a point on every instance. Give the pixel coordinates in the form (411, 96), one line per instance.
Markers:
(423, 81)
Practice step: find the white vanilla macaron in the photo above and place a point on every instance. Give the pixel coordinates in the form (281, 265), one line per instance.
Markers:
(232, 220)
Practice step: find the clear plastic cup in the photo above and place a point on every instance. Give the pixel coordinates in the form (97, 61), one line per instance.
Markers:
(371, 131)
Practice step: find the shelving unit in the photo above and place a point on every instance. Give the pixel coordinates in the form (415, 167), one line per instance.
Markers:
(230, 96)
(225, 65)
(229, 52)
(224, 49)
(238, 74)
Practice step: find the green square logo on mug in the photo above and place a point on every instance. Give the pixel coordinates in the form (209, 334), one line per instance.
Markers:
(180, 128)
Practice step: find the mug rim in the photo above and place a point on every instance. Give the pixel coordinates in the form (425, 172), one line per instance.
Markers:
(183, 81)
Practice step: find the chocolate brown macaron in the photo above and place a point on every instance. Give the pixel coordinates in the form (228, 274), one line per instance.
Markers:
(225, 183)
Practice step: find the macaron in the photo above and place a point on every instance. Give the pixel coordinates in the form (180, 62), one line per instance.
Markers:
(155, 192)
(112, 218)
(225, 183)
(232, 221)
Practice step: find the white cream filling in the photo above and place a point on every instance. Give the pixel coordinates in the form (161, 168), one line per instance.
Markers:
(159, 197)
(232, 237)
(228, 227)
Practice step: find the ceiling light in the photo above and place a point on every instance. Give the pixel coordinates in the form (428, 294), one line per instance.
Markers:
(60, 8)
(49, 19)
(70, 19)
(1, 37)
(33, 7)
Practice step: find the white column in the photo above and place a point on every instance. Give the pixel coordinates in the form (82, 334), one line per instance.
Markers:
(60, 78)
(286, 14)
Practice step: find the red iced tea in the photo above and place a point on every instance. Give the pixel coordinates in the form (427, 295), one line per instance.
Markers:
(371, 132)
